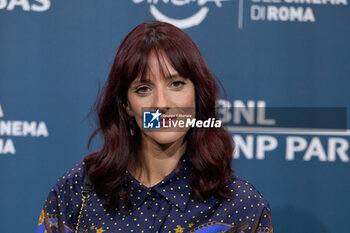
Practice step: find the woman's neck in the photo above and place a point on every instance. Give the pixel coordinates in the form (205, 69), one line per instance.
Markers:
(154, 161)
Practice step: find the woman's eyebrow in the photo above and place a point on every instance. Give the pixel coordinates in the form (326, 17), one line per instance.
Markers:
(176, 75)
(136, 82)
(148, 81)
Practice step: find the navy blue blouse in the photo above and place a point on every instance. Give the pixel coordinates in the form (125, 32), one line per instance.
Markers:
(169, 206)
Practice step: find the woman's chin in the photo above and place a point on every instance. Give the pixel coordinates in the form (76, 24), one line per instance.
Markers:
(166, 137)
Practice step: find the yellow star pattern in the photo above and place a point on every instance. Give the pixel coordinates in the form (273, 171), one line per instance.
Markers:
(179, 229)
(180, 212)
(99, 230)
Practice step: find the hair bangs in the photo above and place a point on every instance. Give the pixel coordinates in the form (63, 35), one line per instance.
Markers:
(142, 70)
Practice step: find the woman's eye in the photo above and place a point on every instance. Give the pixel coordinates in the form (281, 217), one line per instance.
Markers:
(142, 90)
(177, 84)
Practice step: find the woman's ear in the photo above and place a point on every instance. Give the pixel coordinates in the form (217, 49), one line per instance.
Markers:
(126, 106)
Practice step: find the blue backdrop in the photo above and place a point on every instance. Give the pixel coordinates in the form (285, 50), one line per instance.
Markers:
(266, 53)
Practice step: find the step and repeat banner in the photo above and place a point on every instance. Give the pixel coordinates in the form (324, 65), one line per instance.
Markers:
(284, 65)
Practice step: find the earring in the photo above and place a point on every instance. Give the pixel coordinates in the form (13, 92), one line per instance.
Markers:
(132, 126)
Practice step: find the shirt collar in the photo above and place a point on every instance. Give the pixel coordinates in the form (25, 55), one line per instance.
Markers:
(175, 188)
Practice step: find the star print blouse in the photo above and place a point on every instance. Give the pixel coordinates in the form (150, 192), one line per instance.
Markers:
(169, 207)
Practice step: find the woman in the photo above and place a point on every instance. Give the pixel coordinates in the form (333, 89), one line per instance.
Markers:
(156, 180)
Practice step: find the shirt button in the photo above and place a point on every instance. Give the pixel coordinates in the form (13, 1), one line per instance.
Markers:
(152, 192)
(149, 206)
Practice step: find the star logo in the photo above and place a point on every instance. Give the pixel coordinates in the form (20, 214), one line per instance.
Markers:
(155, 115)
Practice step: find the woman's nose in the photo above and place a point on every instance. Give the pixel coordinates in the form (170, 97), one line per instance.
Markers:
(161, 100)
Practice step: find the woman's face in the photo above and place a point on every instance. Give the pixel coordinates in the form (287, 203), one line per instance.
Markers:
(171, 94)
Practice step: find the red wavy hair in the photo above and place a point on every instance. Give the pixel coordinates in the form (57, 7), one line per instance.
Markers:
(209, 151)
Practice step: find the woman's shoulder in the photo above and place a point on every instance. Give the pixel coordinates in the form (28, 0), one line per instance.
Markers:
(62, 203)
(246, 207)
(71, 180)
(244, 193)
